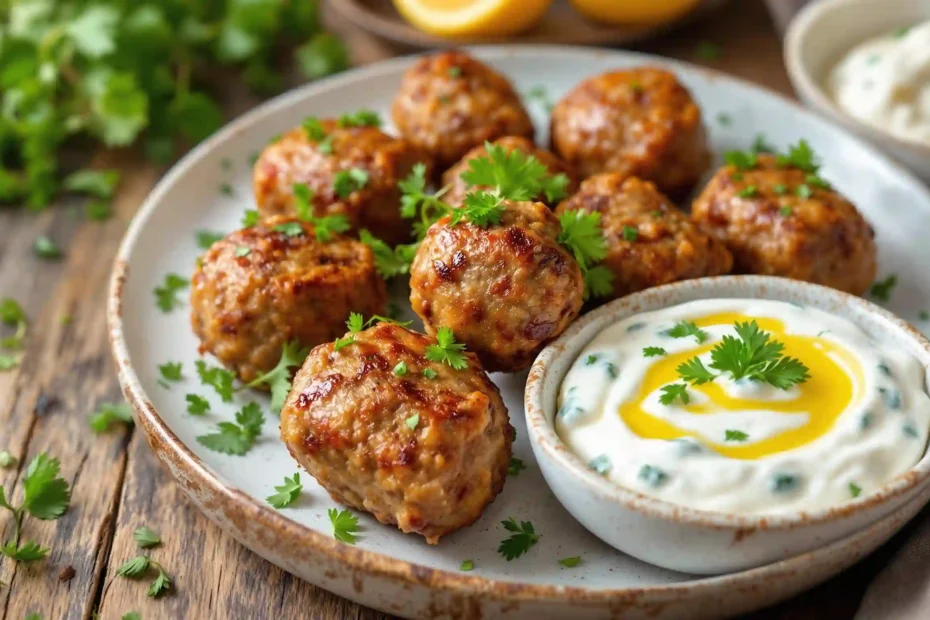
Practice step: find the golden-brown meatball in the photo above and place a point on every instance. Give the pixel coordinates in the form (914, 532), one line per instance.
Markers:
(449, 103)
(424, 451)
(452, 178)
(369, 198)
(649, 241)
(639, 122)
(263, 286)
(505, 291)
(776, 222)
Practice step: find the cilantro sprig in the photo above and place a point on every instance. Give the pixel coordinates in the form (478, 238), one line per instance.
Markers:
(278, 379)
(356, 323)
(108, 414)
(323, 227)
(286, 493)
(45, 496)
(166, 295)
(522, 538)
(752, 355)
(581, 234)
(389, 261)
(514, 175)
(239, 437)
(417, 202)
(447, 350)
(684, 329)
(12, 314)
(345, 525)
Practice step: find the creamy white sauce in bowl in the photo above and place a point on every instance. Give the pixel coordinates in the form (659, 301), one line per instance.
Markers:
(885, 82)
(708, 503)
(744, 446)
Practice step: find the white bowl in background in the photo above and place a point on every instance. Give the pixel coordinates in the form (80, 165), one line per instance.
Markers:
(823, 33)
(686, 539)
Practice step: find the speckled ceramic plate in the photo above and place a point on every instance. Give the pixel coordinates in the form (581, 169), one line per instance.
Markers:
(399, 573)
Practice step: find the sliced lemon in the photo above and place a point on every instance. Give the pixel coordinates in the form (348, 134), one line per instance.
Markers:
(468, 18)
(633, 11)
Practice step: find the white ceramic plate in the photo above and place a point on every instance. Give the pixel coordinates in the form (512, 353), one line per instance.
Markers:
(400, 573)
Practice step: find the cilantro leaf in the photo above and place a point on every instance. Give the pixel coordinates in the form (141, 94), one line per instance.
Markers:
(249, 218)
(323, 227)
(286, 493)
(197, 405)
(27, 552)
(415, 201)
(467, 565)
(355, 324)
(581, 234)
(673, 392)
(236, 438)
(389, 262)
(7, 460)
(654, 351)
(347, 181)
(170, 371)
(278, 379)
(598, 281)
(800, 156)
(762, 145)
(166, 294)
(447, 350)
(570, 562)
(480, 208)
(683, 329)
(11, 313)
(521, 539)
(314, 129)
(160, 585)
(515, 467)
(98, 183)
(109, 414)
(220, 379)
(881, 289)
(345, 525)
(45, 248)
(732, 435)
(134, 567)
(45, 493)
(514, 175)
(289, 229)
(412, 421)
(146, 537)
(694, 372)
(741, 160)
(360, 118)
(206, 238)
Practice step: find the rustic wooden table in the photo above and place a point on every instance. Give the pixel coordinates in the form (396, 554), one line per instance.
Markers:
(117, 484)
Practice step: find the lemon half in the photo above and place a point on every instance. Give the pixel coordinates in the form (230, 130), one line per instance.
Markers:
(633, 11)
(473, 18)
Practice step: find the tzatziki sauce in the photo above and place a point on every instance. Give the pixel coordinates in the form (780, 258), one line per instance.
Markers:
(885, 82)
(858, 419)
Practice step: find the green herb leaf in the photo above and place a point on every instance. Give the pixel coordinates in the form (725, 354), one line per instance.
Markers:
(389, 262)
(521, 539)
(673, 392)
(467, 565)
(741, 160)
(731, 435)
(98, 211)
(289, 229)
(854, 489)
(581, 234)
(166, 295)
(400, 369)
(630, 233)
(514, 175)
(278, 379)
(654, 351)
(694, 372)
(881, 289)
(160, 585)
(800, 156)
(206, 238)
(480, 208)
(447, 350)
(45, 493)
(146, 537)
(29, 551)
(170, 371)
(249, 218)
(7, 460)
(45, 248)
(412, 421)
(347, 181)
(236, 439)
(750, 191)
(220, 379)
(429, 373)
(133, 568)
(684, 329)
(197, 405)
(108, 414)
(286, 493)
(570, 562)
(515, 467)
(361, 118)
(345, 525)
(98, 183)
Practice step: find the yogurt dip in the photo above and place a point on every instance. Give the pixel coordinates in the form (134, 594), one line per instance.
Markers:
(885, 82)
(860, 418)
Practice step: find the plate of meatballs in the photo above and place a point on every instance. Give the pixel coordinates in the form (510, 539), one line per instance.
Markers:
(324, 315)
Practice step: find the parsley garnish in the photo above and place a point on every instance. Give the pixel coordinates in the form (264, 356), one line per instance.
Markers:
(361, 118)
(355, 324)
(570, 562)
(415, 200)
(313, 128)
(447, 350)
(323, 227)
(400, 369)
(673, 392)
(206, 238)
(239, 437)
(654, 351)
(780, 189)
(881, 289)
(347, 181)
(454, 72)
(480, 208)
(429, 373)
(785, 211)
(750, 191)
(170, 371)
(762, 145)
(146, 538)
(412, 421)
(97, 183)
(109, 414)
(630, 233)
(220, 379)
(242, 251)
(581, 234)
(278, 379)
(741, 160)
(731, 435)
(197, 405)
(249, 218)
(286, 493)
(12, 314)
(514, 175)
(388, 262)
(800, 156)
(854, 489)
(45, 496)
(684, 329)
(289, 229)
(139, 566)
(345, 525)
(98, 211)
(45, 248)
(166, 295)
(467, 565)
(515, 467)
(522, 538)
(804, 191)
(752, 355)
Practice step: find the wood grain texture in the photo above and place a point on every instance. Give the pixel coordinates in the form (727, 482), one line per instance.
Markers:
(117, 483)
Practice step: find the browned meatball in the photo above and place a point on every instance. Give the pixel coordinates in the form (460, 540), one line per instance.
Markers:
(263, 286)
(649, 241)
(370, 200)
(776, 222)
(452, 177)
(449, 103)
(427, 454)
(505, 291)
(638, 122)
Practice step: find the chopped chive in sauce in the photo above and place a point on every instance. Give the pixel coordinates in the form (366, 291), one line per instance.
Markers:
(724, 119)
(652, 476)
(687, 446)
(635, 327)
(883, 368)
(784, 483)
(854, 489)
(910, 431)
(891, 397)
(611, 370)
(866, 420)
(601, 464)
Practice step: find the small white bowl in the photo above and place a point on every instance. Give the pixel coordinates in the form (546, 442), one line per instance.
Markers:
(699, 541)
(818, 38)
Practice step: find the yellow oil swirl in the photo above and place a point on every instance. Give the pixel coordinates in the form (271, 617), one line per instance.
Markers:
(828, 392)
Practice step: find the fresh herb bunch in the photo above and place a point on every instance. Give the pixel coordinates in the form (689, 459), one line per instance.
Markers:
(123, 72)
(514, 175)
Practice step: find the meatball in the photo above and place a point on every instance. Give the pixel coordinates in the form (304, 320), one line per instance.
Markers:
(352, 171)
(452, 178)
(505, 291)
(449, 103)
(426, 448)
(263, 286)
(779, 221)
(649, 241)
(638, 122)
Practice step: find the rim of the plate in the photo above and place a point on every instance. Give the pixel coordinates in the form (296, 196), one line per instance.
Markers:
(292, 535)
(542, 372)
